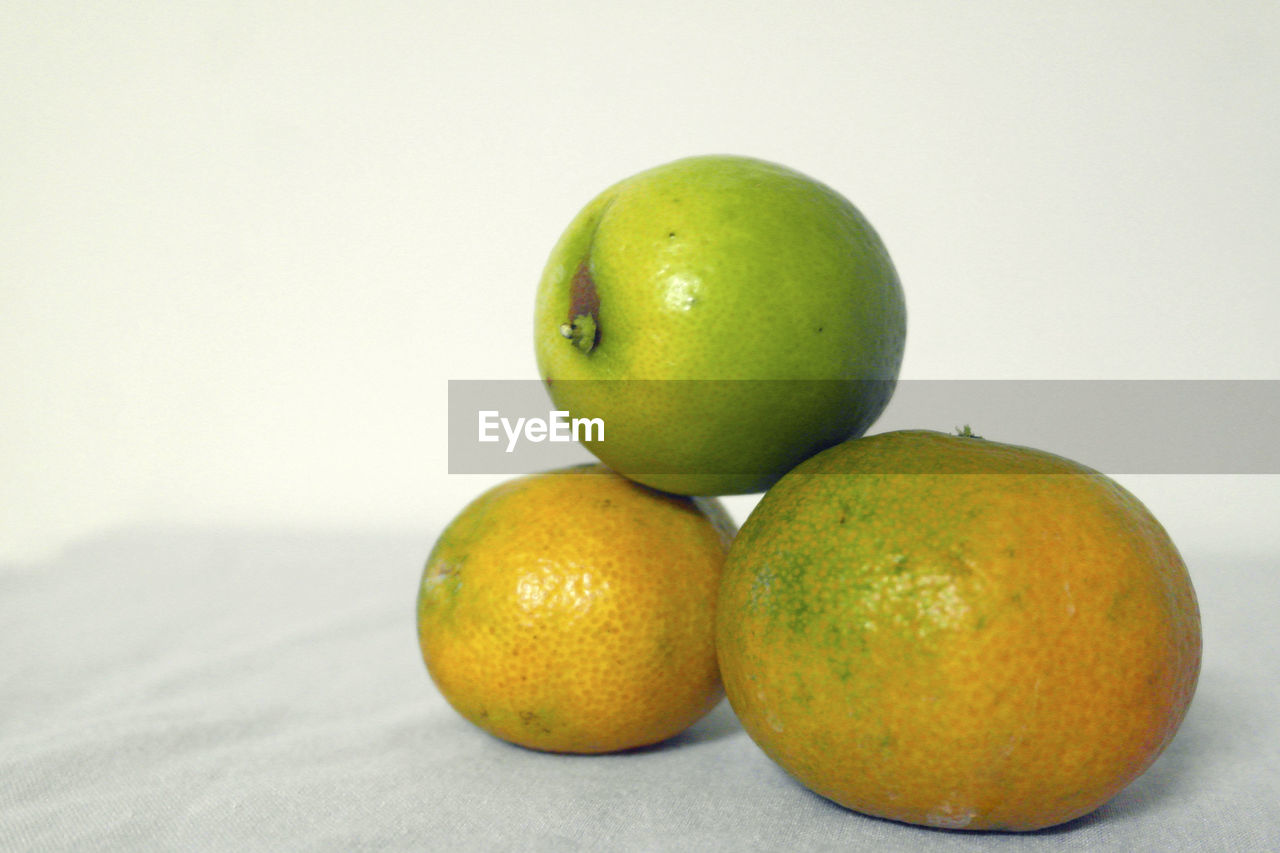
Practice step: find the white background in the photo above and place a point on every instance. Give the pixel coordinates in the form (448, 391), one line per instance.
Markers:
(243, 246)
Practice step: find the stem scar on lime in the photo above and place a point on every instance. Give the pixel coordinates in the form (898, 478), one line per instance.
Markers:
(582, 332)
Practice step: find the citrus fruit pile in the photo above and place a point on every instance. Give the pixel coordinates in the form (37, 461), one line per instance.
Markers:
(937, 629)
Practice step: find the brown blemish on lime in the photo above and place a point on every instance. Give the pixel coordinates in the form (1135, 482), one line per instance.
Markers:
(583, 328)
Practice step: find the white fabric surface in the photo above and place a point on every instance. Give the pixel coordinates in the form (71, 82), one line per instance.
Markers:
(238, 690)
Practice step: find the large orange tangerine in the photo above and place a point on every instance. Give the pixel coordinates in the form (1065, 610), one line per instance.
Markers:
(957, 633)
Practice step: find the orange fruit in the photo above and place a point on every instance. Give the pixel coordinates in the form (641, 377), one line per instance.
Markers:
(953, 632)
(574, 611)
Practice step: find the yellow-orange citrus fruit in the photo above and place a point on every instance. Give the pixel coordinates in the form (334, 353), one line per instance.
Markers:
(574, 611)
(954, 632)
